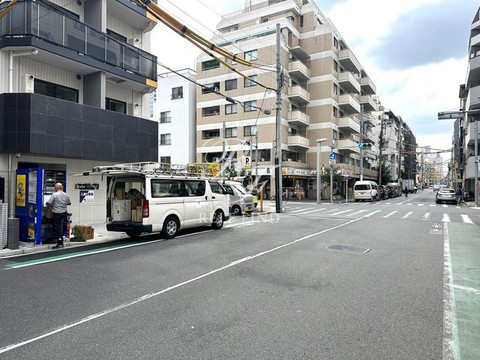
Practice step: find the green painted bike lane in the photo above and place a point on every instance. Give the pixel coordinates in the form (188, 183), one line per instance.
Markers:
(464, 247)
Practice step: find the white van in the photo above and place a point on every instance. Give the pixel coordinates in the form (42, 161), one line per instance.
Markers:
(365, 190)
(240, 200)
(146, 202)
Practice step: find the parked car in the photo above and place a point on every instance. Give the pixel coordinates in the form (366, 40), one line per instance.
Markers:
(391, 191)
(365, 190)
(382, 192)
(240, 200)
(445, 195)
(436, 187)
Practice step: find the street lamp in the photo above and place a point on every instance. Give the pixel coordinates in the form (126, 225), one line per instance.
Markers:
(318, 170)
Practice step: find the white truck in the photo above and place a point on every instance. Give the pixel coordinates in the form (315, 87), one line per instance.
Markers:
(409, 184)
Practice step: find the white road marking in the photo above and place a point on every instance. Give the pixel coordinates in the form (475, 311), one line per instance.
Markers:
(407, 215)
(421, 204)
(357, 212)
(342, 212)
(450, 329)
(433, 205)
(388, 215)
(445, 218)
(370, 214)
(312, 211)
(466, 219)
(299, 210)
(426, 216)
(333, 210)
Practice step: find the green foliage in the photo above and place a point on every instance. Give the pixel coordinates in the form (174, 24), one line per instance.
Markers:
(386, 174)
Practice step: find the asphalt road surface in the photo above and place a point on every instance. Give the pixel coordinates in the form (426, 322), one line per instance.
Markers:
(319, 281)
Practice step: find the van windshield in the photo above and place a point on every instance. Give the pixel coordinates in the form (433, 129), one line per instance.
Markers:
(240, 188)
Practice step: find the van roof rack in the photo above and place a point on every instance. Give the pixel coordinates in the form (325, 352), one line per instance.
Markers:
(154, 168)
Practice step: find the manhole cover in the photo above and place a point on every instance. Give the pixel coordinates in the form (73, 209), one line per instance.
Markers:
(348, 248)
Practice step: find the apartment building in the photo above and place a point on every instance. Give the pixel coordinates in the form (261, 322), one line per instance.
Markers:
(469, 127)
(73, 93)
(175, 111)
(326, 93)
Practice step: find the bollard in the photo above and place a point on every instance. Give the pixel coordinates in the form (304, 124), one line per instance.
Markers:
(13, 241)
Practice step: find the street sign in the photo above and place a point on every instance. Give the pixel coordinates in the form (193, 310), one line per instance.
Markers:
(248, 162)
(331, 156)
(447, 115)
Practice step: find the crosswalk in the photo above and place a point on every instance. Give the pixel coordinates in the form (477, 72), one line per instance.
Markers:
(413, 212)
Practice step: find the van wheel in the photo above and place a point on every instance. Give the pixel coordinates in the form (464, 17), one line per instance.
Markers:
(133, 233)
(170, 227)
(217, 220)
(236, 210)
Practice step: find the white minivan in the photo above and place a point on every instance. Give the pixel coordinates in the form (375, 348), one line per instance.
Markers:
(365, 190)
(240, 200)
(146, 202)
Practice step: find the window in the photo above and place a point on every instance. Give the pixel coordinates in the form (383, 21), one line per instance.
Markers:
(230, 109)
(250, 105)
(334, 135)
(336, 67)
(301, 20)
(211, 110)
(175, 188)
(116, 36)
(165, 159)
(177, 92)
(165, 139)
(335, 112)
(116, 105)
(210, 64)
(251, 81)
(335, 43)
(54, 90)
(335, 89)
(250, 130)
(211, 134)
(251, 55)
(165, 117)
(230, 132)
(230, 84)
(208, 88)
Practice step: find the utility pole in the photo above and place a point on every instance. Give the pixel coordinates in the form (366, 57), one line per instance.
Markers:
(278, 124)
(361, 142)
(380, 151)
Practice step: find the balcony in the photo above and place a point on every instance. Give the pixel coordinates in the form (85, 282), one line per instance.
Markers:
(297, 117)
(298, 70)
(475, 41)
(349, 61)
(298, 94)
(349, 125)
(474, 98)
(348, 82)
(470, 168)
(470, 136)
(130, 13)
(299, 53)
(368, 87)
(368, 119)
(368, 103)
(298, 141)
(473, 72)
(348, 145)
(75, 46)
(348, 104)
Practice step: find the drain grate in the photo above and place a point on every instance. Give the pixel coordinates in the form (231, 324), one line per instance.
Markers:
(348, 248)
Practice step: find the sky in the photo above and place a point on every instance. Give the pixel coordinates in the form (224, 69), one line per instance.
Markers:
(415, 51)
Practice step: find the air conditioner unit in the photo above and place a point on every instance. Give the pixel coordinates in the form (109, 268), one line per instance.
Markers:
(27, 83)
(133, 109)
(133, 41)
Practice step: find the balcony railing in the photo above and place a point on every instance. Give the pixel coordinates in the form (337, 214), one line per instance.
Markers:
(47, 23)
(298, 117)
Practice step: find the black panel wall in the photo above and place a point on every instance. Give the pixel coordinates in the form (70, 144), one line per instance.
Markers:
(41, 125)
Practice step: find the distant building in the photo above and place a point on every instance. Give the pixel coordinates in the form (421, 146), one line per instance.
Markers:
(175, 110)
(326, 93)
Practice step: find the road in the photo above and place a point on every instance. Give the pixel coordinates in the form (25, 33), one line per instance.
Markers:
(327, 281)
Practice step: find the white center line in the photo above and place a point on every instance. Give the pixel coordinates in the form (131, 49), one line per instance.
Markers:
(426, 216)
(312, 211)
(357, 212)
(407, 215)
(446, 218)
(342, 212)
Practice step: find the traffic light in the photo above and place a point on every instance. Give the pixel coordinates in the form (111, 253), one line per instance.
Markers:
(364, 145)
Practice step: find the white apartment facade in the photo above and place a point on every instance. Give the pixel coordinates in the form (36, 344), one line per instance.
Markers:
(326, 93)
(175, 111)
(74, 93)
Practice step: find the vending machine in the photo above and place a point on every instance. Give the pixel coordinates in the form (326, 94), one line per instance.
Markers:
(33, 188)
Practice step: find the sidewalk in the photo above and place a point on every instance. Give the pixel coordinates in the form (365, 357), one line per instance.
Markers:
(101, 236)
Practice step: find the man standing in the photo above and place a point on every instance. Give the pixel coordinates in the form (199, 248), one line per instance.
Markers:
(58, 203)
(458, 195)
